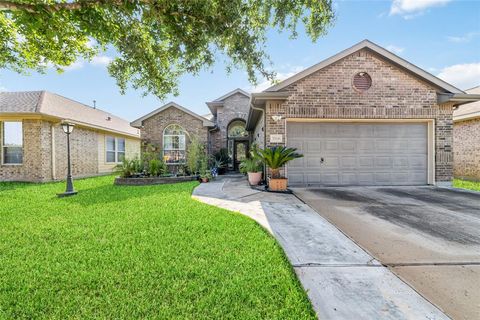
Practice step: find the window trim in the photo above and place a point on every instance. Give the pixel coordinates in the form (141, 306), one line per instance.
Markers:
(184, 135)
(2, 155)
(115, 151)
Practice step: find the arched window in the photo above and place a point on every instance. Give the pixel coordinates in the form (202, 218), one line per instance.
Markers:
(174, 144)
(236, 129)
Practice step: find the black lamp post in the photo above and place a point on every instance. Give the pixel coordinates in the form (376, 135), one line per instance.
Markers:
(68, 129)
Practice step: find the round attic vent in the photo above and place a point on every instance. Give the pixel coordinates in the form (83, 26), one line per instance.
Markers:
(362, 81)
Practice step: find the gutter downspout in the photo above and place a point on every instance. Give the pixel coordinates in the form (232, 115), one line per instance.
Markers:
(52, 130)
(264, 136)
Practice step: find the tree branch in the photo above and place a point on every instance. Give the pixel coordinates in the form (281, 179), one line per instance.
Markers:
(16, 6)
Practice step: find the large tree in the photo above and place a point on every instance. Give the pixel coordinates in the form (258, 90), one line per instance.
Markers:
(156, 40)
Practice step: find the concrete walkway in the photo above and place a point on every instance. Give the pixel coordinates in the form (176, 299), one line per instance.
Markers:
(341, 279)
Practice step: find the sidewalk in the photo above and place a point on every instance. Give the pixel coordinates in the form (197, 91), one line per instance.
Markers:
(341, 280)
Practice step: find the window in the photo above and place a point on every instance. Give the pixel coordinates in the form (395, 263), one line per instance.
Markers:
(237, 129)
(174, 144)
(115, 149)
(12, 142)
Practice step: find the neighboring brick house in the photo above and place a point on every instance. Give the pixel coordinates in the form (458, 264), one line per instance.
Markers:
(362, 117)
(466, 139)
(223, 129)
(33, 144)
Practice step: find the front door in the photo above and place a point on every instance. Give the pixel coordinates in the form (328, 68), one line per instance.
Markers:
(239, 153)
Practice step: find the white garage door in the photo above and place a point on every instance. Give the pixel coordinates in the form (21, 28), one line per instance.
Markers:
(358, 153)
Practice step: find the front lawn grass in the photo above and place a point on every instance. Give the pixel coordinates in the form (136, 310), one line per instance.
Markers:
(137, 252)
(464, 184)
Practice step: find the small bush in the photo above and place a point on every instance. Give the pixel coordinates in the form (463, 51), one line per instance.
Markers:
(156, 167)
(129, 168)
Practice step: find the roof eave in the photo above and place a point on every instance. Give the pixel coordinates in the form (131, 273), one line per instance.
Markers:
(460, 98)
(465, 117)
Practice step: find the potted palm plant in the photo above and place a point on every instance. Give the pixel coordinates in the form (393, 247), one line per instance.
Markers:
(253, 168)
(275, 158)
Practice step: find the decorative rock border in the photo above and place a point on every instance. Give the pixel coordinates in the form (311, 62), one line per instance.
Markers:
(145, 181)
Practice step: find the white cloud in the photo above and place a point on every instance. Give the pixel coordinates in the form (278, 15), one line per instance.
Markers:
(463, 39)
(74, 66)
(412, 8)
(101, 60)
(463, 76)
(280, 76)
(395, 49)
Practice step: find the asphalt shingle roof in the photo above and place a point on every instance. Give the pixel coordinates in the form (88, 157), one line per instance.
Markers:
(54, 105)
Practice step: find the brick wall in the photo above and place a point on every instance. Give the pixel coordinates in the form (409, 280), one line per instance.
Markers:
(83, 151)
(466, 139)
(37, 153)
(152, 131)
(234, 107)
(329, 94)
(36, 164)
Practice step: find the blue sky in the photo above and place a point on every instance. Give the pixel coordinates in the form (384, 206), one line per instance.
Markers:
(440, 36)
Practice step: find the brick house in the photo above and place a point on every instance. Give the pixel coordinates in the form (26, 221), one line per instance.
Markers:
(466, 139)
(361, 117)
(33, 144)
(171, 128)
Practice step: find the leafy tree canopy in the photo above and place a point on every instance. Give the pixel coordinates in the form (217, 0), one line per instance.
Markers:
(157, 40)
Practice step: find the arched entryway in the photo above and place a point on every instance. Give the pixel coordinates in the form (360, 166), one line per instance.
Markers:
(237, 143)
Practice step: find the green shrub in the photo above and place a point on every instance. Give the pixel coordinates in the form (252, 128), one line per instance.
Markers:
(196, 156)
(129, 168)
(156, 167)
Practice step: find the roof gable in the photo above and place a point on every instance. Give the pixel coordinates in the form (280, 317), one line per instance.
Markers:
(212, 105)
(231, 93)
(366, 44)
(138, 123)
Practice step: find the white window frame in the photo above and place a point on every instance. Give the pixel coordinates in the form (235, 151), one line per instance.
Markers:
(2, 147)
(115, 150)
(164, 150)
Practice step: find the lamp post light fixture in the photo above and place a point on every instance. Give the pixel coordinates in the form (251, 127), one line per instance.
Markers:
(68, 129)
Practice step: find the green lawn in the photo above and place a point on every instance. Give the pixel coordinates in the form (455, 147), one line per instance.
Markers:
(137, 252)
(464, 184)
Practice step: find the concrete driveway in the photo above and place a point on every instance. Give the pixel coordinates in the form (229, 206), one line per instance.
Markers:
(341, 279)
(428, 236)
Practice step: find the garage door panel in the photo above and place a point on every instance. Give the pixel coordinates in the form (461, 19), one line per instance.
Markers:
(365, 146)
(417, 162)
(347, 145)
(296, 178)
(359, 154)
(383, 162)
(331, 163)
(314, 178)
(298, 144)
(366, 162)
(313, 146)
(313, 162)
(348, 162)
(329, 179)
(331, 145)
(297, 163)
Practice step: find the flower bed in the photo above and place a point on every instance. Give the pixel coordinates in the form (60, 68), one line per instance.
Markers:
(145, 181)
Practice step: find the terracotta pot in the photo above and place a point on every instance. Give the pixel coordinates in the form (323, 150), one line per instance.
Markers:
(254, 178)
(204, 180)
(278, 184)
